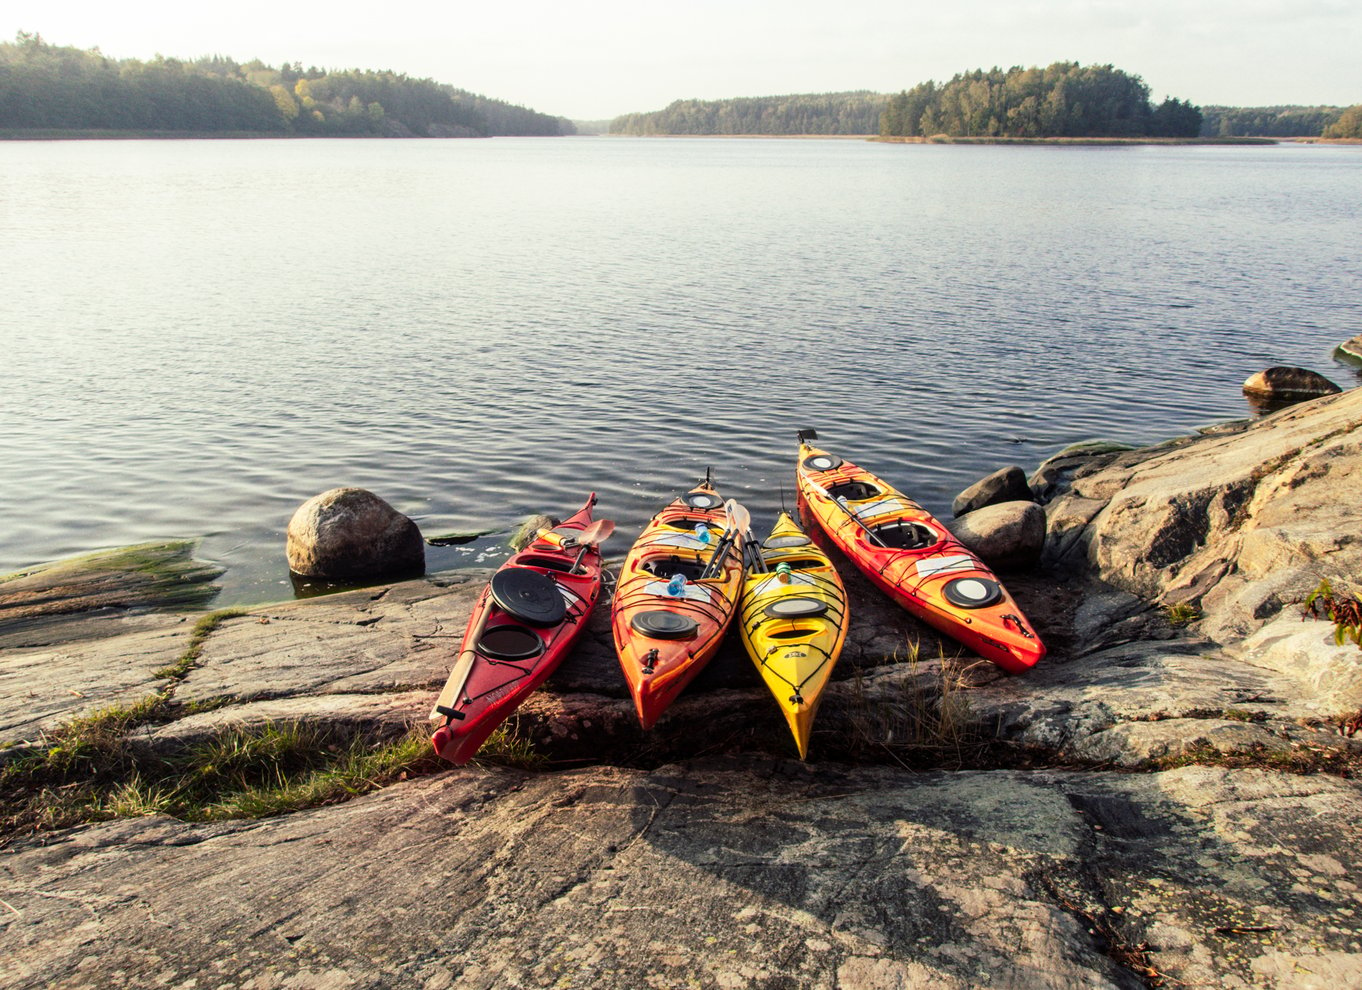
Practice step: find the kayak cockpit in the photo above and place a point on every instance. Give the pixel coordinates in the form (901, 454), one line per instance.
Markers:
(668, 567)
(905, 534)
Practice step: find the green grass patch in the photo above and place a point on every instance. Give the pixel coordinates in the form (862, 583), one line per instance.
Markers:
(240, 773)
(1182, 614)
(924, 720)
(1300, 759)
(204, 628)
(507, 748)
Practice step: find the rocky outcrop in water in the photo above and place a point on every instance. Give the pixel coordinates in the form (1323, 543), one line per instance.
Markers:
(1285, 384)
(349, 534)
(1169, 798)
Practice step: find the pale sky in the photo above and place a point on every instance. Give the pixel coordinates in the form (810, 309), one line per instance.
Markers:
(596, 59)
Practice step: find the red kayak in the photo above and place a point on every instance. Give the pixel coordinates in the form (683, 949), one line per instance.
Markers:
(522, 627)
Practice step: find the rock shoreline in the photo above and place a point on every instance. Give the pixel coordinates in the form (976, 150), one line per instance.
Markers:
(1169, 797)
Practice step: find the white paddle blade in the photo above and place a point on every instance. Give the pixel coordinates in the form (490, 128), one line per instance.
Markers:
(739, 517)
(597, 532)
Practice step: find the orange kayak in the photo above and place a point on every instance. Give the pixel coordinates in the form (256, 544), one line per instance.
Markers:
(913, 558)
(522, 627)
(677, 592)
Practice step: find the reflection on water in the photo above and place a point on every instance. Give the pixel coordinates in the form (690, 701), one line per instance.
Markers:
(201, 335)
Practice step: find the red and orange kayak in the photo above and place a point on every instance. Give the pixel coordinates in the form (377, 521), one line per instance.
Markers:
(677, 592)
(522, 627)
(914, 559)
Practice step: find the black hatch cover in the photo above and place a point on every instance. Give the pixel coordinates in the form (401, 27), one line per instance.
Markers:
(660, 624)
(529, 596)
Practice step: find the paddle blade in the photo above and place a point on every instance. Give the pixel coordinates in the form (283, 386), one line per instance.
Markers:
(598, 532)
(738, 516)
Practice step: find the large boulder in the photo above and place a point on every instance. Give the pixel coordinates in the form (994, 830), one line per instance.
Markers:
(1350, 350)
(1008, 536)
(1285, 384)
(1237, 525)
(349, 534)
(1004, 485)
(1057, 471)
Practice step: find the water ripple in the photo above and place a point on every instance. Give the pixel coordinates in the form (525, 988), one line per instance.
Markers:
(200, 335)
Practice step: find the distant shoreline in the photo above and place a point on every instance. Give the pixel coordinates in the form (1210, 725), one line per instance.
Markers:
(93, 134)
(947, 139)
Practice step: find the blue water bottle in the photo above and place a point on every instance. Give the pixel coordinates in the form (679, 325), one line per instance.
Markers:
(676, 587)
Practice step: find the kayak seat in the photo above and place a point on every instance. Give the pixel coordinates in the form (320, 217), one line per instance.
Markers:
(905, 535)
(668, 567)
(548, 563)
(853, 491)
(689, 524)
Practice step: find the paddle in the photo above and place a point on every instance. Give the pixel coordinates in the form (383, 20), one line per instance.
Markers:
(756, 560)
(739, 519)
(594, 535)
(463, 666)
(841, 504)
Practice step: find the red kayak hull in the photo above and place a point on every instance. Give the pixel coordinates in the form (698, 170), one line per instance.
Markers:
(510, 658)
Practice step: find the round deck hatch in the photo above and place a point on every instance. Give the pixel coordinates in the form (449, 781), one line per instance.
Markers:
(972, 592)
(510, 643)
(702, 500)
(528, 596)
(665, 625)
(822, 462)
(795, 608)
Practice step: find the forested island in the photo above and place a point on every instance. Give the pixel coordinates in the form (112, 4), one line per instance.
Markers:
(48, 88)
(1063, 100)
(1277, 121)
(854, 113)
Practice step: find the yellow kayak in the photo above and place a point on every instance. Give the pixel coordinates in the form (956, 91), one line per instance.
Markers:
(793, 621)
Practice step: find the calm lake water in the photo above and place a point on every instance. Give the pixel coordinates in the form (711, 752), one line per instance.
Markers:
(199, 335)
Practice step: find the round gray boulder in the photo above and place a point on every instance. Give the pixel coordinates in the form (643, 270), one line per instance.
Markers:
(349, 534)
(1285, 384)
(1008, 535)
(1007, 484)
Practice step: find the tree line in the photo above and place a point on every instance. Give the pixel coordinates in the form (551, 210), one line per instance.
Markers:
(47, 87)
(1279, 121)
(1064, 99)
(817, 113)
(1348, 124)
